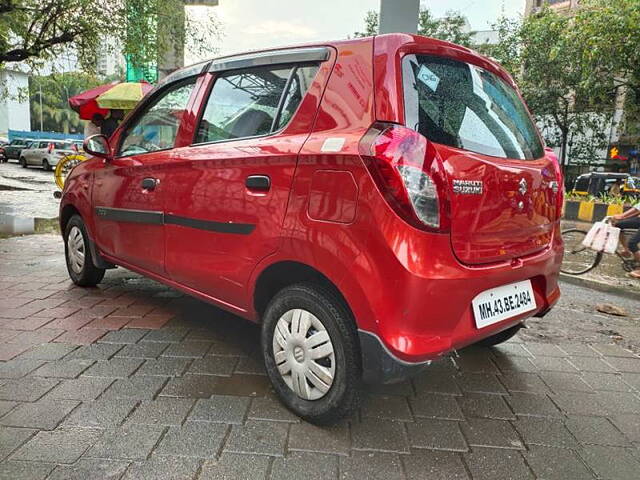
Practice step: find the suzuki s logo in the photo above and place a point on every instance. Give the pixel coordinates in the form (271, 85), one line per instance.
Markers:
(522, 186)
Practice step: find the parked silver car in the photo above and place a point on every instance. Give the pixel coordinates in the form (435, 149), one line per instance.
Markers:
(45, 153)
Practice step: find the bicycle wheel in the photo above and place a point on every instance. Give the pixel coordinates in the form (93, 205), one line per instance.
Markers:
(65, 165)
(578, 259)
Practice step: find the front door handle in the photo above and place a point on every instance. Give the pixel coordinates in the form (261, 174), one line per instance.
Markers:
(260, 183)
(150, 183)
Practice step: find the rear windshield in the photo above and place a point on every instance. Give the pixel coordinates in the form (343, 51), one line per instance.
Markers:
(465, 106)
(61, 145)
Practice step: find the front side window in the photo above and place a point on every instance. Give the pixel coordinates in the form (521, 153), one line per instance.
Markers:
(465, 106)
(253, 102)
(157, 127)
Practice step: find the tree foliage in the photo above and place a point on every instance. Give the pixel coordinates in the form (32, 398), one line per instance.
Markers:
(451, 27)
(56, 89)
(34, 31)
(572, 98)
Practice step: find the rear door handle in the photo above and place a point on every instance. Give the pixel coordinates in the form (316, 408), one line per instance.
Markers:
(150, 183)
(260, 183)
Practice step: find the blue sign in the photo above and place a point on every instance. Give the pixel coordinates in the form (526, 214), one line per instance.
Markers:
(46, 135)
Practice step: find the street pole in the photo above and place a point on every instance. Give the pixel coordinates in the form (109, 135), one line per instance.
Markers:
(399, 16)
(40, 92)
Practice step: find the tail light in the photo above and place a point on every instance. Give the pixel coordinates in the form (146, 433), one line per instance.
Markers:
(50, 148)
(74, 147)
(550, 154)
(404, 166)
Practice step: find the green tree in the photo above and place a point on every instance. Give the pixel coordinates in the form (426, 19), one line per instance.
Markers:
(34, 31)
(52, 92)
(572, 101)
(610, 31)
(451, 27)
(371, 24)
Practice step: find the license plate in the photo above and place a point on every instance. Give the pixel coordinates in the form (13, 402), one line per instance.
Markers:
(500, 303)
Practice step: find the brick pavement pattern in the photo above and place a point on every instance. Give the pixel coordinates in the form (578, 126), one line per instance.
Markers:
(133, 380)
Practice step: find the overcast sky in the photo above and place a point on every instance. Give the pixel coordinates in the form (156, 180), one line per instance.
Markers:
(256, 24)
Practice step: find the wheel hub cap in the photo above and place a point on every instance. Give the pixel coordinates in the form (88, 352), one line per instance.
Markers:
(75, 250)
(304, 354)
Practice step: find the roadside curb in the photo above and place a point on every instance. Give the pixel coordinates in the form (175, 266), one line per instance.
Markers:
(601, 287)
(590, 211)
(11, 226)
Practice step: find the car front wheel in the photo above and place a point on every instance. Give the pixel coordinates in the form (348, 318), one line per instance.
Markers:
(311, 353)
(80, 266)
(23, 162)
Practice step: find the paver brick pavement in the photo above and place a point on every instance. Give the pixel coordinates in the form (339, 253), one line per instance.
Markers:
(133, 380)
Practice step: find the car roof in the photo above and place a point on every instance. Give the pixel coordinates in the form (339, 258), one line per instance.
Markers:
(286, 54)
(605, 174)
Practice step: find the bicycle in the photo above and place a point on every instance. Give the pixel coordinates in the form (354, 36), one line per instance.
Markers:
(64, 167)
(579, 259)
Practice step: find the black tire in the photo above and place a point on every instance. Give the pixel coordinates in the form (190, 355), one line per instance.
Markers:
(45, 165)
(577, 258)
(499, 338)
(88, 275)
(343, 396)
(23, 162)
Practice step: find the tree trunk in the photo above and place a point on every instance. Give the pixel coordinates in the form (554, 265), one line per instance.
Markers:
(563, 149)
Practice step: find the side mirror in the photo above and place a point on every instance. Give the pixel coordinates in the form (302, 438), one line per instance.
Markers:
(98, 145)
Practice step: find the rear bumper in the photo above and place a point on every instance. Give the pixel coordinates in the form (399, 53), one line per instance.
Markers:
(379, 365)
(426, 310)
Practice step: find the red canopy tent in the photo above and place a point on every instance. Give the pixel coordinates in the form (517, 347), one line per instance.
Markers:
(86, 103)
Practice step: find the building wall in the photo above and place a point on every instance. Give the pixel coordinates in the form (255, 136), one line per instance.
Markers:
(14, 102)
(559, 5)
(110, 60)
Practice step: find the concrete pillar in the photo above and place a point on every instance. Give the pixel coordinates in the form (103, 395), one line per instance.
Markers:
(171, 35)
(399, 16)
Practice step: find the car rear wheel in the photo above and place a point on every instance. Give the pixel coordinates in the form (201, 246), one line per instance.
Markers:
(23, 162)
(80, 266)
(311, 353)
(45, 165)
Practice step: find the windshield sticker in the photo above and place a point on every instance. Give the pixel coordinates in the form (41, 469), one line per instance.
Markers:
(429, 78)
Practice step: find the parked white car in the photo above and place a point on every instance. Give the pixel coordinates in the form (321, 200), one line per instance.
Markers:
(45, 153)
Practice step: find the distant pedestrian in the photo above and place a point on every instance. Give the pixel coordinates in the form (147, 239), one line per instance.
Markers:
(615, 189)
(93, 126)
(631, 220)
(111, 122)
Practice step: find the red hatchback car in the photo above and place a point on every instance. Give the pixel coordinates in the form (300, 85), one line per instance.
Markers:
(374, 203)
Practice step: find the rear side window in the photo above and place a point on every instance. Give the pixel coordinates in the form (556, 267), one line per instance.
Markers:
(253, 102)
(464, 106)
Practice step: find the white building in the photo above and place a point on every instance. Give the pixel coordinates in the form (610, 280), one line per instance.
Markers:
(110, 60)
(14, 101)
